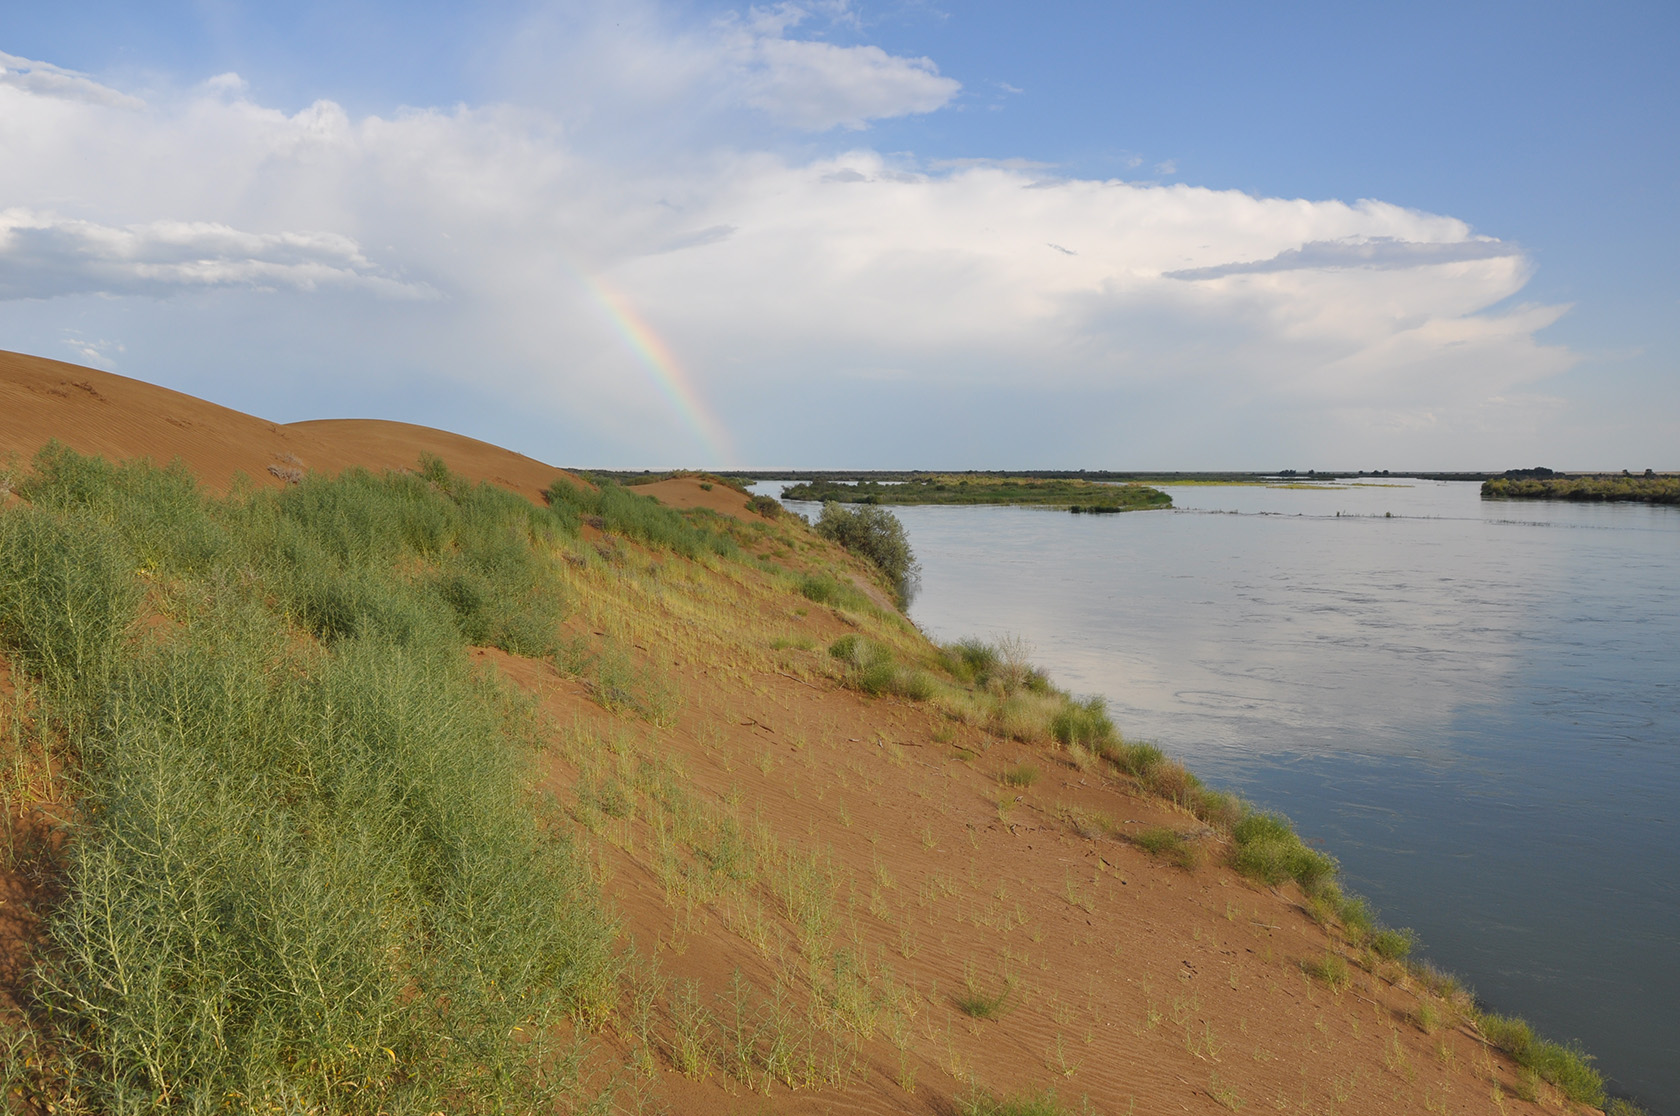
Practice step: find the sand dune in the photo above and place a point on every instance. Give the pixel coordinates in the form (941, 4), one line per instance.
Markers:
(118, 418)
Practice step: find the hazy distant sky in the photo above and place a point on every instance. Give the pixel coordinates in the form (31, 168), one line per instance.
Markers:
(1175, 235)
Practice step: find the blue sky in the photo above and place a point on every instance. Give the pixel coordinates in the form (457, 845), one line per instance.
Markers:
(1195, 235)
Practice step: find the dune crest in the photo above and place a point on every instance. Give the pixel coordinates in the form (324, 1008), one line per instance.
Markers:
(119, 418)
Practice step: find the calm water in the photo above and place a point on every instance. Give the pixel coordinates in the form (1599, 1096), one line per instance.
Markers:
(1475, 706)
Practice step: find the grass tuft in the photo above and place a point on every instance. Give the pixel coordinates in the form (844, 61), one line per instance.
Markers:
(1566, 1067)
(981, 1004)
(1167, 844)
(1268, 849)
(1021, 775)
(1332, 969)
(981, 1103)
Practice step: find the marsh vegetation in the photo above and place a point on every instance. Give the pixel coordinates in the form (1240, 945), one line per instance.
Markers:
(959, 488)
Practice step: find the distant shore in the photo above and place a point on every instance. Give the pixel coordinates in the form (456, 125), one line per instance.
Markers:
(1075, 494)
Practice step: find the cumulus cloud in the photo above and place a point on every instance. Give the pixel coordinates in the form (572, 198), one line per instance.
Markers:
(1171, 321)
(43, 255)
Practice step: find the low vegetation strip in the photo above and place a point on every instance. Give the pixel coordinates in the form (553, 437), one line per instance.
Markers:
(1627, 488)
(958, 488)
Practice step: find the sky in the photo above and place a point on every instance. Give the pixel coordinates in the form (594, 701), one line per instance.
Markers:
(847, 234)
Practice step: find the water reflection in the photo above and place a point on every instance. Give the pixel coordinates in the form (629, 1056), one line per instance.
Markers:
(1475, 705)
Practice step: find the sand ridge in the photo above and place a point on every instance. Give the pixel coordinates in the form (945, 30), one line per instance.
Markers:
(119, 418)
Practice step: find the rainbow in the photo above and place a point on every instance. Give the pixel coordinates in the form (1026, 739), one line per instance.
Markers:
(669, 376)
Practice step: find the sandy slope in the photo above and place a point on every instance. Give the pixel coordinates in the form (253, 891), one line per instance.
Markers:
(1140, 986)
(100, 413)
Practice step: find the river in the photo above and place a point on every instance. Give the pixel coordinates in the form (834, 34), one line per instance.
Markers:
(1474, 705)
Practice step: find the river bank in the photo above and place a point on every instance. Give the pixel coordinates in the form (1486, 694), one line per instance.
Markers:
(1470, 702)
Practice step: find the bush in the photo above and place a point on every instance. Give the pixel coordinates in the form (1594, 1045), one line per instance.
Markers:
(1393, 945)
(1137, 760)
(1268, 849)
(971, 660)
(1083, 723)
(67, 595)
(875, 534)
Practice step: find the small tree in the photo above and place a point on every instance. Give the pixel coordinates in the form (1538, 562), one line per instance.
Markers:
(876, 534)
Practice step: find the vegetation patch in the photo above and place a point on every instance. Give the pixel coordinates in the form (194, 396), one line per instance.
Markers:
(975, 1001)
(307, 867)
(826, 589)
(1167, 844)
(1332, 969)
(1021, 775)
(1566, 1067)
(982, 1103)
(958, 488)
(871, 668)
(622, 511)
(1268, 849)
(1648, 488)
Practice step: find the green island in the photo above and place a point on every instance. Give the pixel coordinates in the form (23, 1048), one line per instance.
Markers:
(1074, 494)
(1543, 484)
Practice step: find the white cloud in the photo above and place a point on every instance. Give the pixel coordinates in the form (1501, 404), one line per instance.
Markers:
(817, 86)
(53, 81)
(43, 255)
(1380, 252)
(632, 67)
(795, 292)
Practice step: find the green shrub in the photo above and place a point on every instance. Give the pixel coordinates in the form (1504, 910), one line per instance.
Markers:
(159, 514)
(1621, 1107)
(980, 1004)
(67, 595)
(1268, 849)
(1356, 917)
(1393, 945)
(1218, 808)
(914, 684)
(1085, 723)
(874, 534)
(971, 660)
(1137, 760)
